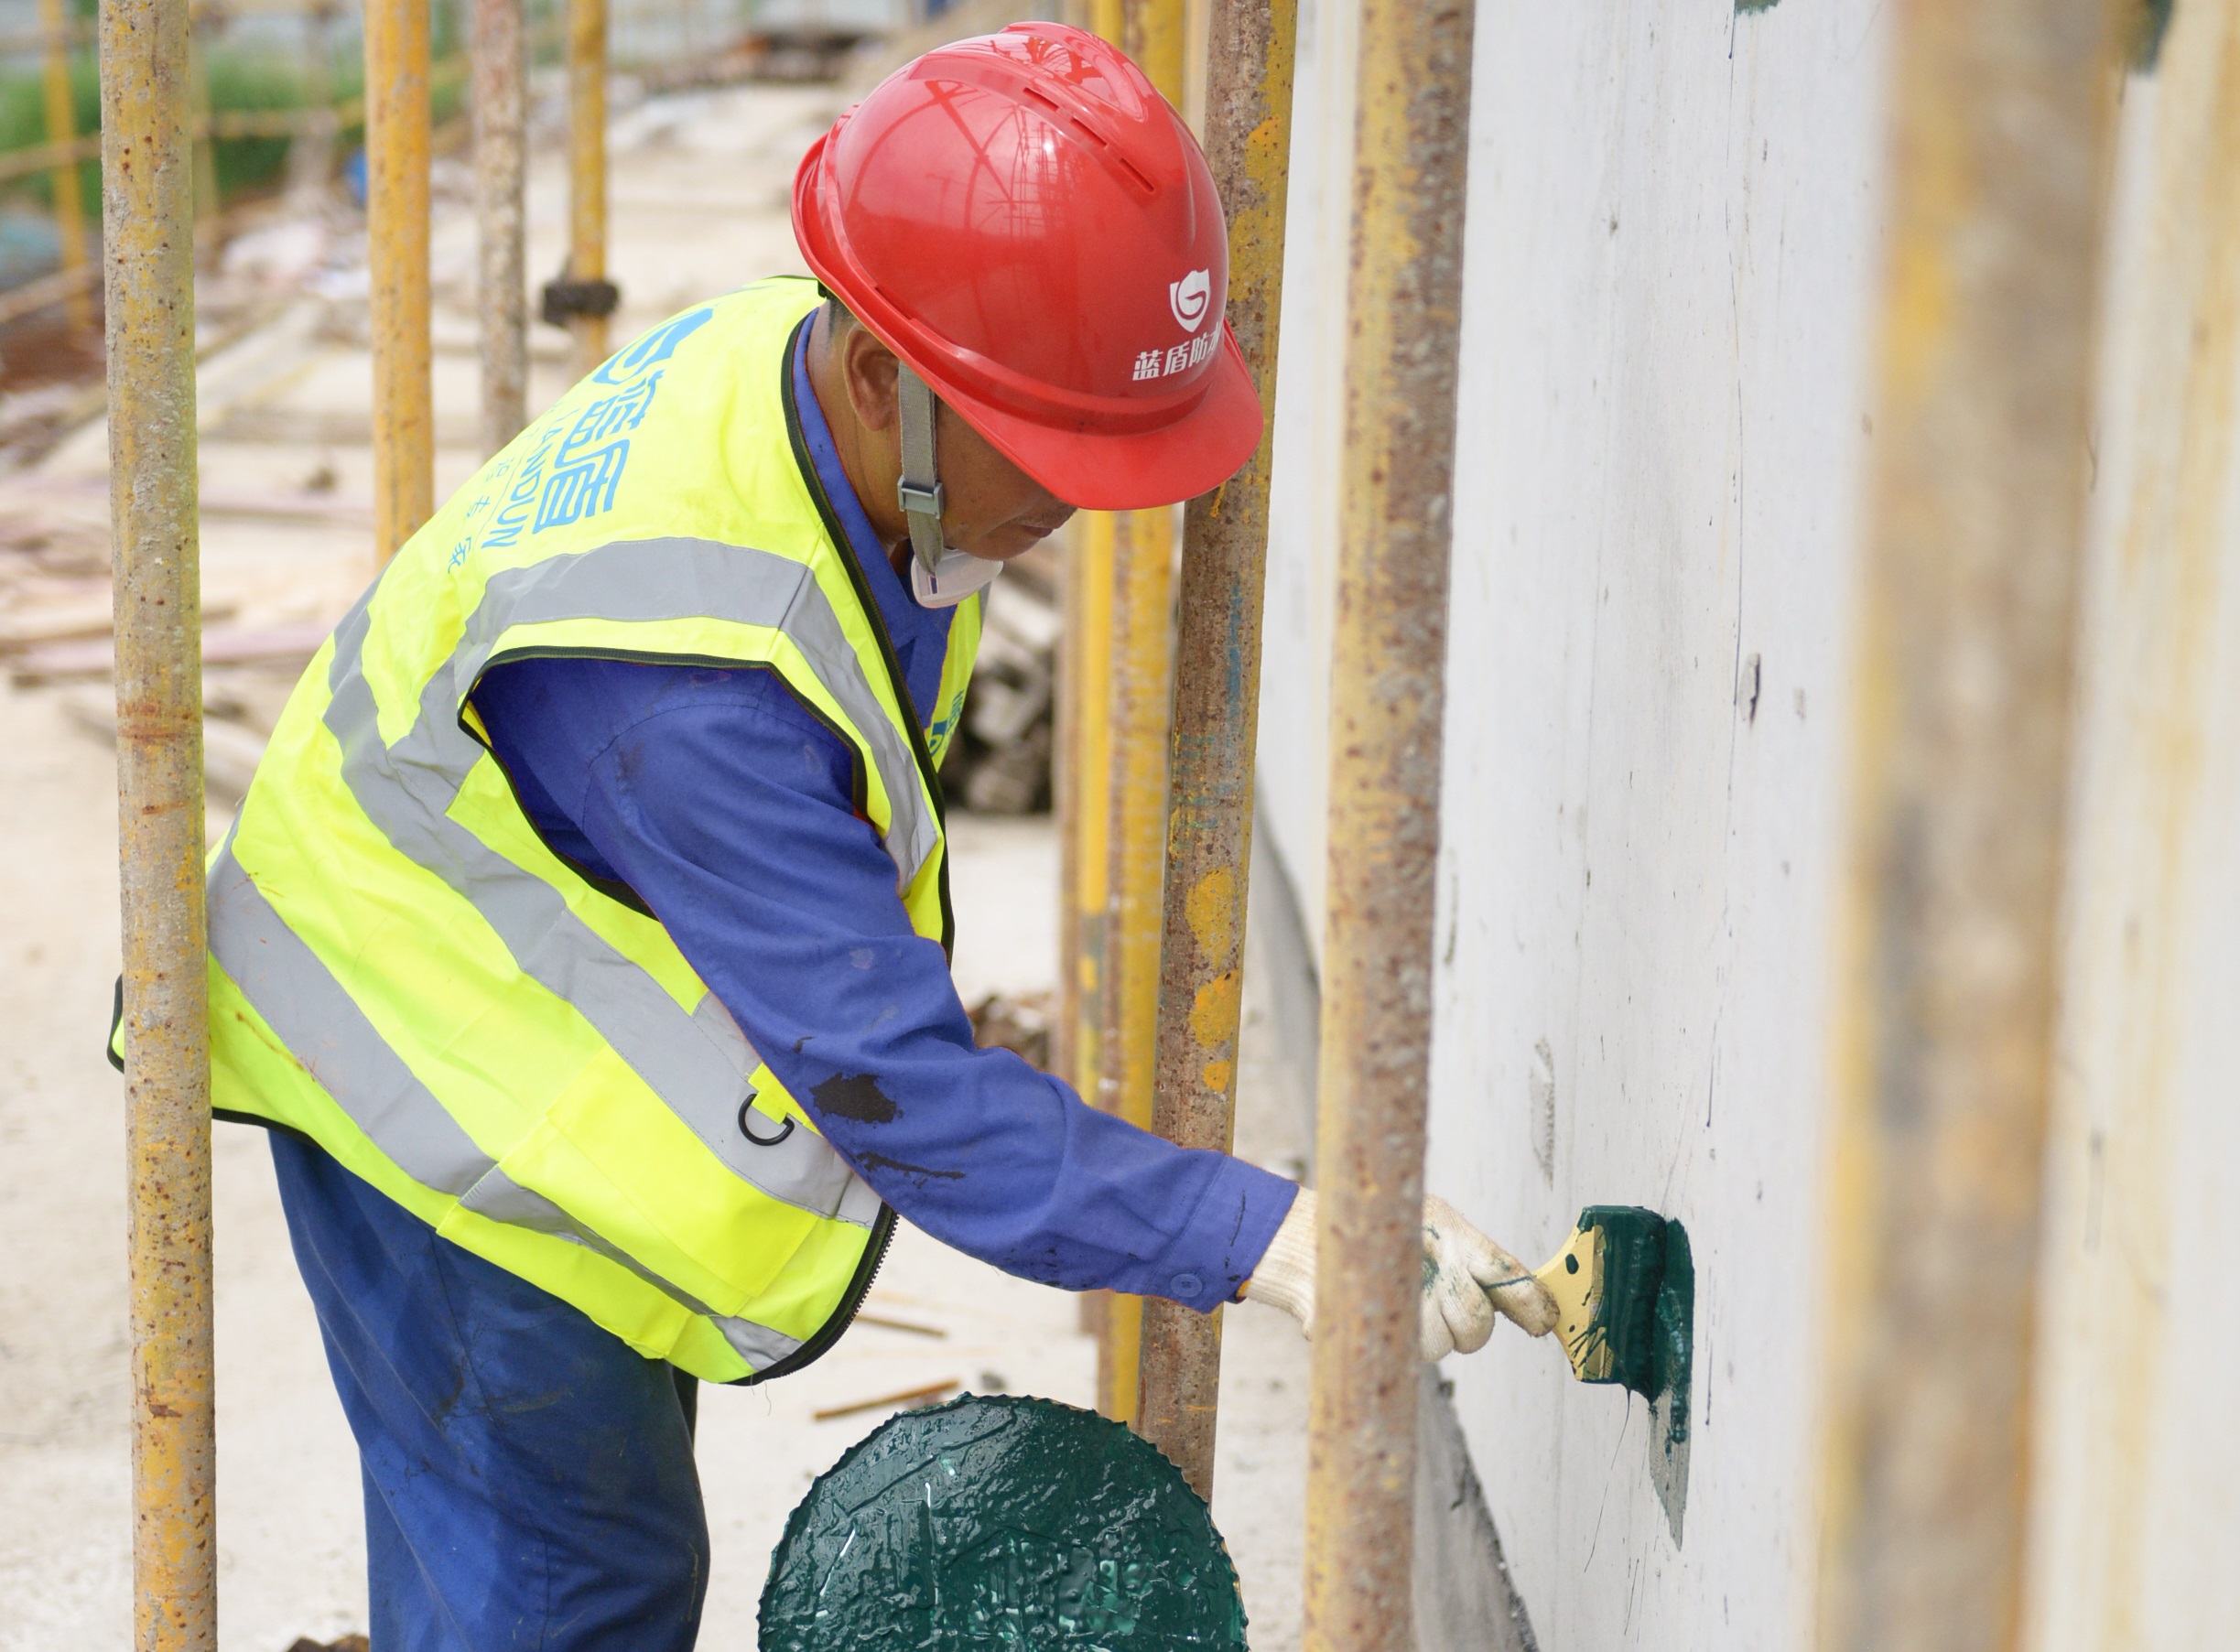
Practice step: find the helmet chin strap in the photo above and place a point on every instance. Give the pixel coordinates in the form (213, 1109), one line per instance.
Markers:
(919, 490)
(939, 577)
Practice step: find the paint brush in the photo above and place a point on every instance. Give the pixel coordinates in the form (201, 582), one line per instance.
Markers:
(1624, 1285)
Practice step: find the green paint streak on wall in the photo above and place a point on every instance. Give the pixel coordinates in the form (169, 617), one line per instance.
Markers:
(1674, 1365)
(2150, 23)
(1755, 5)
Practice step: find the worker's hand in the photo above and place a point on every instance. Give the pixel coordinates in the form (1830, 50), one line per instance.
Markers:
(1467, 1278)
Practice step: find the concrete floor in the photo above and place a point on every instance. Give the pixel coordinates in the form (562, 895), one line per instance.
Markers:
(699, 203)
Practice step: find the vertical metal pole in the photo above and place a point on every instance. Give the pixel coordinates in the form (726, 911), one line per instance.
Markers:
(1089, 592)
(61, 128)
(148, 183)
(500, 182)
(1387, 708)
(310, 158)
(1142, 663)
(1143, 659)
(1065, 805)
(1216, 707)
(396, 155)
(586, 170)
(1089, 795)
(1960, 764)
(1156, 34)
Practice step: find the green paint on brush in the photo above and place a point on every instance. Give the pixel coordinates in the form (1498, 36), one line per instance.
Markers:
(1632, 1269)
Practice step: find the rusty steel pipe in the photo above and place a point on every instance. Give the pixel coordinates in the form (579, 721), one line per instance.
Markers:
(501, 184)
(397, 158)
(587, 174)
(147, 196)
(1251, 52)
(1959, 742)
(1387, 705)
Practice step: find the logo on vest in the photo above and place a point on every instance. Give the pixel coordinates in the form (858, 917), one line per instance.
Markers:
(1190, 298)
(576, 465)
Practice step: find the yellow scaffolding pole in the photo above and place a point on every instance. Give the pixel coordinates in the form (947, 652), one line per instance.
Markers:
(61, 131)
(1089, 834)
(1143, 661)
(1944, 1016)
(147, 182)
(397, 159)
(1216, 709)
(594, 297)
(1387, 706)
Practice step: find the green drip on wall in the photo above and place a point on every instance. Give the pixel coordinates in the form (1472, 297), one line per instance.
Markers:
(2150, 23)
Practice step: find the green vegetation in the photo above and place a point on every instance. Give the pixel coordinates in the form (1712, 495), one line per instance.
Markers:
(247, 77)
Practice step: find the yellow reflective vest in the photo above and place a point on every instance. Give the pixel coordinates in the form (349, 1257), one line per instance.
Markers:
(403, 971)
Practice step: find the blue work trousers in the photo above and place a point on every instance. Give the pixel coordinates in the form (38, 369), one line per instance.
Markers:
(529, 1482)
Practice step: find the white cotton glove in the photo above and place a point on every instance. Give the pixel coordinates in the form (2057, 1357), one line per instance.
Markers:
(1467, 1278)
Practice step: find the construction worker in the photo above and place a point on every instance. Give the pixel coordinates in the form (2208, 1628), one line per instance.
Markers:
(584, 933)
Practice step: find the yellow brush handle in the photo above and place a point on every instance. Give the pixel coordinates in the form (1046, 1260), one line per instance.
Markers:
(1574, 1278)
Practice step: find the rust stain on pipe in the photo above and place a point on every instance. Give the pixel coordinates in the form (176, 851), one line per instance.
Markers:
(397, 158)
(1216, 707)
(1386, 710)
(1960, 746)
(147, 184)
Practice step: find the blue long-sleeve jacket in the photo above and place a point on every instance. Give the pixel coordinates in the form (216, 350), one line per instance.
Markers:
(727, 808)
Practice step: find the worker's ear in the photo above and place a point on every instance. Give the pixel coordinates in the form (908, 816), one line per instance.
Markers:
(869, 368)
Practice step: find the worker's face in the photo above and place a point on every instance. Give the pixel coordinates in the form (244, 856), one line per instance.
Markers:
(990, 508)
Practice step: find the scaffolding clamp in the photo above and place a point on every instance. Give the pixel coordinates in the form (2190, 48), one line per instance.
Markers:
(566, 299)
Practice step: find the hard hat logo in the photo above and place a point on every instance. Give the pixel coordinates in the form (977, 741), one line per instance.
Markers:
(1190, 298)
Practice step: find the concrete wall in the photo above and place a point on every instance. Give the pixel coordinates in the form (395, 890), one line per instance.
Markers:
(1672, 245)
(1670, 238)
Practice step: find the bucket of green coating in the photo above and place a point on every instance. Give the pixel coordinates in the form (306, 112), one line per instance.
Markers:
(1000, 1522)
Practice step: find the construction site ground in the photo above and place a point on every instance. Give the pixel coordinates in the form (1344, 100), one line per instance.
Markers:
(699, 191)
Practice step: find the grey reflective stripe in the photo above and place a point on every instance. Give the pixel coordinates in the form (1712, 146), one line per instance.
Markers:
(657, 580)
(501, 1199)
(408, 788)
(324, 1029)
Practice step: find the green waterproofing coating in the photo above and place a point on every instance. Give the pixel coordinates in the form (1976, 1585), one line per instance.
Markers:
(1648, 1313)
(1000, 1522)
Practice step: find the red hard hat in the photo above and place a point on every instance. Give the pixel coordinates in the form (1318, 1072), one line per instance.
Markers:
(1024, 219)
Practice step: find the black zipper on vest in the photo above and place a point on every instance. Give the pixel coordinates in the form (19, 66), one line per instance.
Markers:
(830, 1331)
